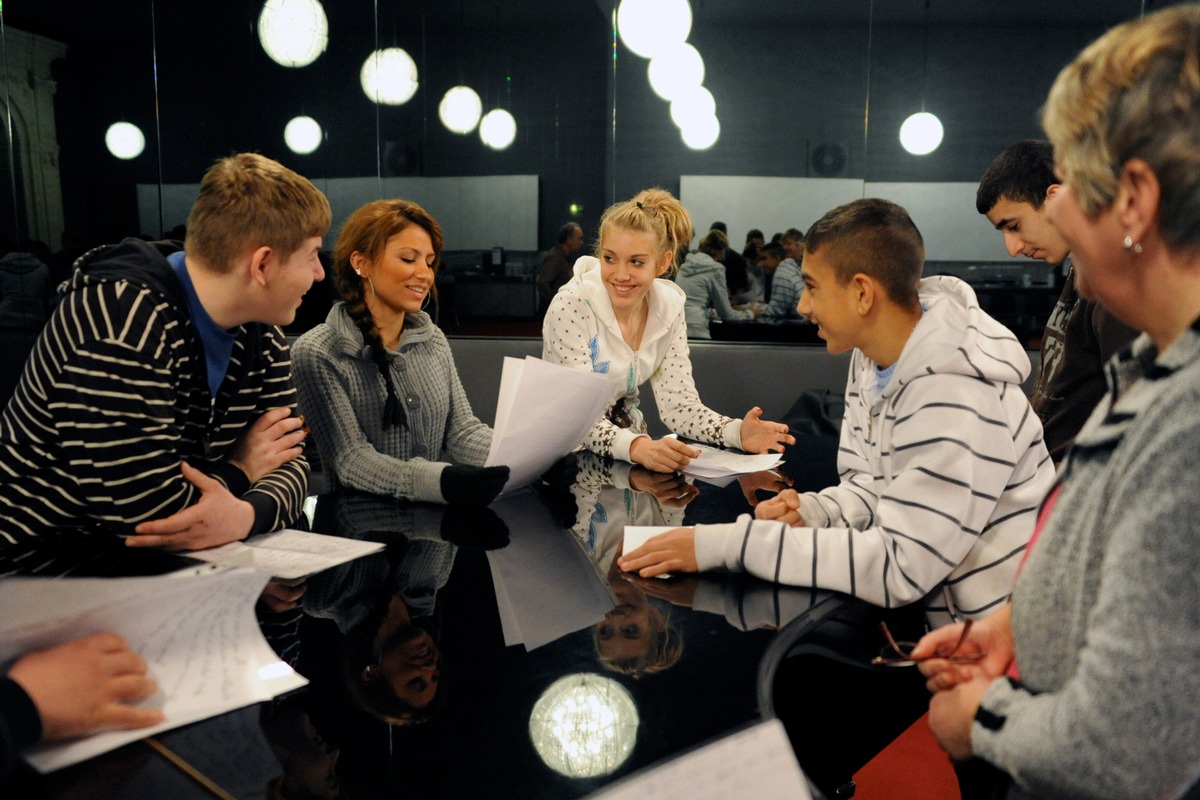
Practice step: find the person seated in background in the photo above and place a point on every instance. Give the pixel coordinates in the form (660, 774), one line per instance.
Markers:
(1087, 683)
(557, 261)
(617, 317)
(377, 380)
(786, 285)
(1080, 335)
(942, 460)
(70, 690)
(702, 279)
(772, 257)
(737, 281)
(157, 403)
(25, 289)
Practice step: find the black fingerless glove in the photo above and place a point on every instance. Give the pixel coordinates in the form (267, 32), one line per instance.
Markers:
(479, 528)
(472, 486)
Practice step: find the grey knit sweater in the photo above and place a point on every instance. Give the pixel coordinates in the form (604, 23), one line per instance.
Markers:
(342, 396)
(1106, 614)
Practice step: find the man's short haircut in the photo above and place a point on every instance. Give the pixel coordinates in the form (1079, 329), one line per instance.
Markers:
(773, 249)
(719, 226)
(567, 231)
(754, 233)
(795, 234)
(248, 201)
(1022, 173)
(876, 238)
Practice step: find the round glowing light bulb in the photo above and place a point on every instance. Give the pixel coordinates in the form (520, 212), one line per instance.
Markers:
(125, 140)
(389, 76)
(675, 70)
(293, 33)
(303, 135)
(648, 26)
(921, 133)
(460, 109)
(701, 133)
(584, 725)
(498, 129)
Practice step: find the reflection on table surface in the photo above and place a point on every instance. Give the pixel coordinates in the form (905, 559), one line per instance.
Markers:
(498, 653)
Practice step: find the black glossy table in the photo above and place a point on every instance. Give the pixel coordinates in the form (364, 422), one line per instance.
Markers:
(691, 657)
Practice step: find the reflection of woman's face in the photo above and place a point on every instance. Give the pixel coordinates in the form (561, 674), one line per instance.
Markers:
(628, 631)
(409, 664)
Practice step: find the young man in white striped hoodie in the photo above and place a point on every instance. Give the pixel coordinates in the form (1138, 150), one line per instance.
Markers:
(941, 458)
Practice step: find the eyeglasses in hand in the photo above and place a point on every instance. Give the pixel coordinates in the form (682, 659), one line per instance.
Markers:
(899, 654)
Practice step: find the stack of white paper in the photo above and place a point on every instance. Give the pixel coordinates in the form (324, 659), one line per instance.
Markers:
(716, 463)
(289, 554)
(543, 412)
(197, 633)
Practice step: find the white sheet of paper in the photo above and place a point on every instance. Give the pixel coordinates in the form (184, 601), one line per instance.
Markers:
(636, 535)
(759, 756)
(197, 633)
(543, 411)
(716, 463)
(546, 584)
(289, 554)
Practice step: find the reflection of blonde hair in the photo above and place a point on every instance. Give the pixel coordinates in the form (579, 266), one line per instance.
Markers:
(248, 201)
(664, 650)
(653, 211)
(1134, 93)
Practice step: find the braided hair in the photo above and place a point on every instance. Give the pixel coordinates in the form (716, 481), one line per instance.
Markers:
(367, 232)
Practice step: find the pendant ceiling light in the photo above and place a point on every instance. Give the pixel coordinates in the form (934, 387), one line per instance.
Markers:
(293, 33)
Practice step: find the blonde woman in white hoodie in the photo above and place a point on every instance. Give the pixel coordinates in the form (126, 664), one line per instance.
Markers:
(620, 317)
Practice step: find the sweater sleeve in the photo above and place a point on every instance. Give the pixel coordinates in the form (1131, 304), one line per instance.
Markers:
(1123, 725)
(718, 298)
(568, 340)
(949, 463)
(332, 413)
(20, 725)
(278, 496)
(678, 402)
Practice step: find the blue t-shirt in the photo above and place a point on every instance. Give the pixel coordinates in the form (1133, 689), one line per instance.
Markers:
(217, 342)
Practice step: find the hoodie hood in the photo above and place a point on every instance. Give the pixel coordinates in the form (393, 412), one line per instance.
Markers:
(666, 300)
(698, 264)
(956, 336)
(20, 263)
(141, 263)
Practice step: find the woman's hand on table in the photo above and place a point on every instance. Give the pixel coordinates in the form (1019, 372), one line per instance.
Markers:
(217, 518)
(274, 439)
(669, 488)
(762, 436)
(673, 551)
(783, 507)
(662, 455)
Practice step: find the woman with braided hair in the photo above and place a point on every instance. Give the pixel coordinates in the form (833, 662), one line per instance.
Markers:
(377, 380)
(616, 316)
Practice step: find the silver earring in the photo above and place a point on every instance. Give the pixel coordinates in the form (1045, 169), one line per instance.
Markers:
(358, 272)
(1130, 244)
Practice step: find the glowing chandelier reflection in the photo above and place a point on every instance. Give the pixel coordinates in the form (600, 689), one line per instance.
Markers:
(303, 135)
(584, 725)
(125, 140)
(293, 33)
(460, 109)
(648, 26)
(701, 133)
(389, 76)
(498, 129)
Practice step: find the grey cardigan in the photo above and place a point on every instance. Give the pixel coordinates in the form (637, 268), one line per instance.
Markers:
(342, 396)
(1105, 614)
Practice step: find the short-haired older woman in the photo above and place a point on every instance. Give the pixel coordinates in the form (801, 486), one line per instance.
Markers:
(1101, 642)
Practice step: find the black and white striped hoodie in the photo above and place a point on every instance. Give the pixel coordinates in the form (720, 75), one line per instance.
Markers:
(941, 476)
